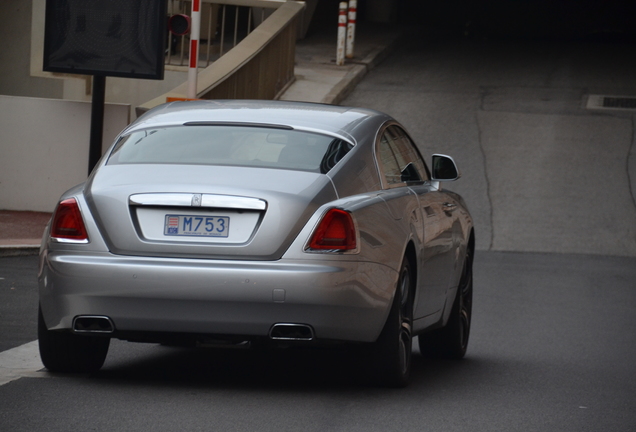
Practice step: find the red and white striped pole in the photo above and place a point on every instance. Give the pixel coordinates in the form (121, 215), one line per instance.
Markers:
(194, 49)
(351, 28)
(342, 34)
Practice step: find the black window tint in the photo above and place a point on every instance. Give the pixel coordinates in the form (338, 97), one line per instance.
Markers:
(408, 154)
(231, 145)
(336, 151)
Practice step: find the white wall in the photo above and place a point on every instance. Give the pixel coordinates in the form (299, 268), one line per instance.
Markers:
(15, 34)
(44, 147)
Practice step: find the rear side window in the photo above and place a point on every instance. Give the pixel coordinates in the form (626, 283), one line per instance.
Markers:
(231, 146)
(399, 160)
(388, 160)
(406, 152)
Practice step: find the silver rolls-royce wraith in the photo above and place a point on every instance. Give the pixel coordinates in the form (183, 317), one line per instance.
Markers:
(259, 221)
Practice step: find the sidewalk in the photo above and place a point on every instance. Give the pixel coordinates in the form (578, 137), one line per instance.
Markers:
(21, 232)
(318, 79)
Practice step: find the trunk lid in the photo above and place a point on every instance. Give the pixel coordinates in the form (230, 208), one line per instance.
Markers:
(203, 211)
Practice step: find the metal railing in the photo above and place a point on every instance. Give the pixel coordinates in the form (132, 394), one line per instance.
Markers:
(259, 66)
(224, 24)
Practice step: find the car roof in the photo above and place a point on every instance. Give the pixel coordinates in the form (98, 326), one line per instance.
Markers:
(345, 122)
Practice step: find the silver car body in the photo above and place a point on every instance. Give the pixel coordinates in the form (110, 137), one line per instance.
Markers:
(147, 283)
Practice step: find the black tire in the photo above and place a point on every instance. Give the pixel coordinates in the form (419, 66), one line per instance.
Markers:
(66, 352)
(451, 341)
(392, 350)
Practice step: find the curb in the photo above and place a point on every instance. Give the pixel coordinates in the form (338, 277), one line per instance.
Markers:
(346, 85)
(361, 68)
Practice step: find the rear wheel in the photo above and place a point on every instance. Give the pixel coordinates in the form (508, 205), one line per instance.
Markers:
(66, 352)
(392, 350)
(452, 340)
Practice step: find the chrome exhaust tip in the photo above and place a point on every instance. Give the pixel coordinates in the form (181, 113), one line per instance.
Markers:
(291, 332)
(93, 324)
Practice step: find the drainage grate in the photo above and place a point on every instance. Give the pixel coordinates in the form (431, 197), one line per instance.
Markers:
(619, 102)
(610, 102)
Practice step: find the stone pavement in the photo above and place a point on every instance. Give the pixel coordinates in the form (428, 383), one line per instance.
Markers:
(318, 79)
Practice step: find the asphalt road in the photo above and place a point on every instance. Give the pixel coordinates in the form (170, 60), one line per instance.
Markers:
(552, 348)
(18, 301)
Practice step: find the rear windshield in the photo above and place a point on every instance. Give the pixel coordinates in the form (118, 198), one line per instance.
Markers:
(231, 146)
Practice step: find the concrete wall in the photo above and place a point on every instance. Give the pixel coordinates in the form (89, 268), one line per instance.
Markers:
(133, 92)
(381, 11)
(44, 148)
(15, 34)
(74, 87)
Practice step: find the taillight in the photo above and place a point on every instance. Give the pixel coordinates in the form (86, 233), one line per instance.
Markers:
(336, 231)
(67, 222)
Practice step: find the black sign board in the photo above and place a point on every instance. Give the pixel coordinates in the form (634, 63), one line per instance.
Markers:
(124, 38)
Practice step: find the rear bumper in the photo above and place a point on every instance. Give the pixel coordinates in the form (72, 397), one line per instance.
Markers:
(340, 300)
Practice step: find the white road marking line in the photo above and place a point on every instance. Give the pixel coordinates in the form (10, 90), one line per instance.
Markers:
(20, 362)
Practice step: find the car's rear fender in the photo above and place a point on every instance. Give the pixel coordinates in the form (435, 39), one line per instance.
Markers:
(381, 238)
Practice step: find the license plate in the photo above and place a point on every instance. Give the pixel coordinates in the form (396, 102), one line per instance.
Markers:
(186, 225)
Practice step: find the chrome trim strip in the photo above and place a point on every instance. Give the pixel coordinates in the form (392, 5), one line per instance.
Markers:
(206, 200)
(237, 202)
(161, 199)
(69, 241)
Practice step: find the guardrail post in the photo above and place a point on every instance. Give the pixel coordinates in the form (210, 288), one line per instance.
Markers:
(193, 69)
(342, 34)
(351, 28)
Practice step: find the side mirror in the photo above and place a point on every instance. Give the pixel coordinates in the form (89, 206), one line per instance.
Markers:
(444, 168)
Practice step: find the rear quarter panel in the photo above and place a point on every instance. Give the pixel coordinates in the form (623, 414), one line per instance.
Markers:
(382, 240)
